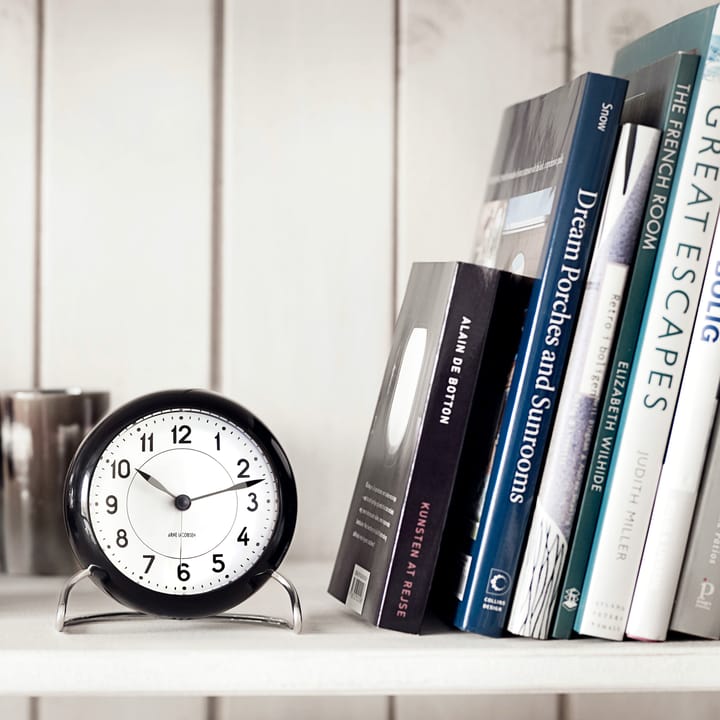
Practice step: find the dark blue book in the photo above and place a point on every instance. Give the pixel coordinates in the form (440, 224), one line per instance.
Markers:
(540, 217)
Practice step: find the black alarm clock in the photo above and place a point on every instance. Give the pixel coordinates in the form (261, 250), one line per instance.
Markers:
(182, 502)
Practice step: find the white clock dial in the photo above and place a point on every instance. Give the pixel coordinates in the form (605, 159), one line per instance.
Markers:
(183, 501)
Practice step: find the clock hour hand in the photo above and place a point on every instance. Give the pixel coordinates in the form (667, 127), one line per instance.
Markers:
(237, 486)
(154, 482)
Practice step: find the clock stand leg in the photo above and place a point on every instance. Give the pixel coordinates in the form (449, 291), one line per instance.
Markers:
(62, 621)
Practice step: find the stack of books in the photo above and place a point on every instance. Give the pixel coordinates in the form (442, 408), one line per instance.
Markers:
(543, 455)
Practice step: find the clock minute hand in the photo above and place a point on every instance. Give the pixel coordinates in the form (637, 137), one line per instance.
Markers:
(237, 486)
(154, 482)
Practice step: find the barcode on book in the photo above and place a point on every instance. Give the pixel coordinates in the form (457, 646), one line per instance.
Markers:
(358, 589)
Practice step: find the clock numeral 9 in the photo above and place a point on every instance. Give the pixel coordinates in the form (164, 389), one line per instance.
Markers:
(111, 502)
(218, 564)
(146, 442)
(243, 536)
(120, 468)
(181, 435)
(244, 466)
(182, 572)
(121, 539)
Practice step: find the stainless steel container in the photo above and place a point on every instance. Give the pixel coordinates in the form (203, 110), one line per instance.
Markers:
(39, 433)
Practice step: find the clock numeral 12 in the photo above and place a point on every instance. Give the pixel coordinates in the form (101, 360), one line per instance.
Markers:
(181, 435)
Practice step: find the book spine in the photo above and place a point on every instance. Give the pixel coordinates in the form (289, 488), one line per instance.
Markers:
(657, 371)
(545, 552)
(423, 517)
(540, 365)
(623, 355)
(681, 472)
(697, 610)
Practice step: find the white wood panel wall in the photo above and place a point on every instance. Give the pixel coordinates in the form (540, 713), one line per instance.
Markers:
(307, 235)
(126, 195)
(311, 151)
(18, 52)
(461, 63)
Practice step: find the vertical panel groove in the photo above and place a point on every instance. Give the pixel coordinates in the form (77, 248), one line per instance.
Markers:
(211, 709)
(395, 163)
(562, 707)
(37, 269)
(216, 230)
(569, 40)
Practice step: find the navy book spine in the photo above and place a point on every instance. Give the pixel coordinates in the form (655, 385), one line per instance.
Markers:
(540, 364)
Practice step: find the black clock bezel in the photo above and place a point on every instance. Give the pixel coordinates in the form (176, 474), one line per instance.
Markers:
(86, 546)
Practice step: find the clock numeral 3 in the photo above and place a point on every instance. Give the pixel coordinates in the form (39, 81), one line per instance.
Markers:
(253, 506)
(121, 539)
(181, 435)
(182, 572)
(218, 564)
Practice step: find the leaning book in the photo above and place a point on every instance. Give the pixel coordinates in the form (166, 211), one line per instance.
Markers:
(561, 481)
(697, 602)
(540, 216)
(453, 316)
(656, 375)
(658, 95)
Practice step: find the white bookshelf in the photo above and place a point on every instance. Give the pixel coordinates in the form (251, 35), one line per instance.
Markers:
(336, 654)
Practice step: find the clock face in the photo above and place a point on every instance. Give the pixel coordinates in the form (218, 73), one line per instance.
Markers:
(184, 500)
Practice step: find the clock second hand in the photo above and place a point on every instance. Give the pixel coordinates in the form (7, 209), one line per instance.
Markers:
(237, 486)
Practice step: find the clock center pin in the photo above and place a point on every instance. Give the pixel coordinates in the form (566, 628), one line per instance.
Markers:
(182, 502)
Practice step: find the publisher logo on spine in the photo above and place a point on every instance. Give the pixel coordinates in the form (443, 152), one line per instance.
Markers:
(571, 598)
(498, 582)
(707, 589)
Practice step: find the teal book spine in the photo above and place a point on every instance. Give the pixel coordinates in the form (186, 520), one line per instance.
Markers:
(672, 82)
(658, 365)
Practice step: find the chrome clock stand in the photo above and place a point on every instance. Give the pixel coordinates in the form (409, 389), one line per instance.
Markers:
(62, 621)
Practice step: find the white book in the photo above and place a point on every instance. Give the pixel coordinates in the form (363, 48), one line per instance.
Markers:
(682, 469)
(655, 379)
(561, 480)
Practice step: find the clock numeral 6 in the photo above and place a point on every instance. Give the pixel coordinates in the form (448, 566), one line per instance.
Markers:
(218, 564)
(121, 539)
(111, 502)
(120, 468)
(181, 435)
(182, 572)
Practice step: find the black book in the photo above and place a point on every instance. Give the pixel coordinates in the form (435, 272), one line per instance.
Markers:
(443, 354)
